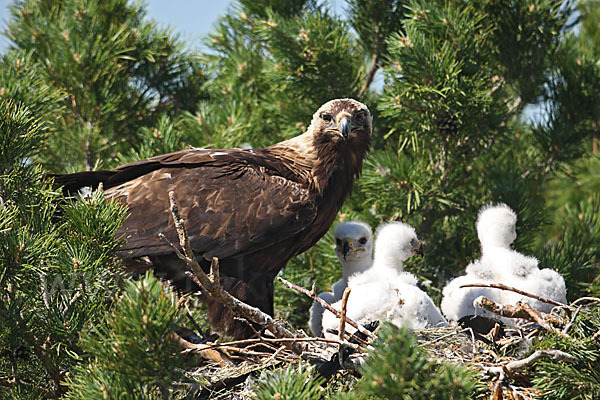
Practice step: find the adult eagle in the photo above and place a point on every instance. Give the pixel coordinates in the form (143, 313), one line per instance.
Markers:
(253, 209)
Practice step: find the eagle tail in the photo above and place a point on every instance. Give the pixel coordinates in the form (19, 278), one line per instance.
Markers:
(73, 183)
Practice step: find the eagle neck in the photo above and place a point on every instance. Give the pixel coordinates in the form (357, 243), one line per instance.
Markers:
(337, 165)
(328, 167)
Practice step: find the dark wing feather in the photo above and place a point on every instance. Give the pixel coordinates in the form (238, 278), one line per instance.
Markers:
(235, 202)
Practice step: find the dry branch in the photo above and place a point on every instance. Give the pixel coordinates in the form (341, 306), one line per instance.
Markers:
(513, 289)
(212, 286)
(276, 340)
(204, 350)
(521, 310)
(328, 307)
(342, 327)
(532, 359)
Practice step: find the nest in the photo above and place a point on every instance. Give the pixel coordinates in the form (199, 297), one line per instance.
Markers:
(230, 369)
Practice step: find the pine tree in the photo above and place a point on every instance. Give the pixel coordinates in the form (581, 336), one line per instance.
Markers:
(117, 72)
(58, 271)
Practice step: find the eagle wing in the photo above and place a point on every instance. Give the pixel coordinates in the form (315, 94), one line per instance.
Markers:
(234, 202)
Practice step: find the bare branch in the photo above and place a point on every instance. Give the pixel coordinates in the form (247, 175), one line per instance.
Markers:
(280, 340)
(326, 306)
(213, 289)
(204, 350)
(44, 288)
(568, 326)
(342, 326)
(532, 359)
(370, 75)
(513, 289)
(214, 271)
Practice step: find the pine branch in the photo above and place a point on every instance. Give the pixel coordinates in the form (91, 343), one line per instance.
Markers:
(213, 288)
(39, 350)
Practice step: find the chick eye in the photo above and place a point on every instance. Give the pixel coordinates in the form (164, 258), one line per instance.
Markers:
(327, 117)
(362, 240)
(338, 242)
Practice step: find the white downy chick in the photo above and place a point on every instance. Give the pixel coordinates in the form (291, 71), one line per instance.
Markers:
(354, 249)
(496, 230)
(545, 283)
(457, 302)
(385, 291)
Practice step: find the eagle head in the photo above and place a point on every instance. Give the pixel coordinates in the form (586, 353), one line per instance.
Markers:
(340, 133)
(341, 121)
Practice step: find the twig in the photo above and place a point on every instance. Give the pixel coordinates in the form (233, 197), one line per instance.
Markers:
(204, 350)
(497, 388)
(512, 289)
(213, 288)
(278, 340)
(44, 289)
(532, 359)
(568, 326)
(72, 302)
(521, 310)
(370, 74)
(473, 342)
(328, 307)
(194, 323)
(545, 164)
(591, 299)
(342, 326)
(215, 275)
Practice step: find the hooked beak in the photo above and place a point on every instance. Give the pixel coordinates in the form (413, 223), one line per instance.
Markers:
(344, 127)
(418, 249)
(347, 247)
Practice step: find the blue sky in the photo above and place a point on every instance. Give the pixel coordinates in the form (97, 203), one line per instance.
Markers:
(192, 19)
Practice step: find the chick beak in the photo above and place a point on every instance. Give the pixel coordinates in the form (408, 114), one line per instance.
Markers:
(344, 127)
(347, 247)
(419, 249)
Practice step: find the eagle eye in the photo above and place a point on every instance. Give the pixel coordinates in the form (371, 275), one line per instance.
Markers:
(327, 117)
(362, 240)
(360, 118)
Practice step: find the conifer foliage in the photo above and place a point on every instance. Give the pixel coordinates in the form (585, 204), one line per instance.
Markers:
(473, 102)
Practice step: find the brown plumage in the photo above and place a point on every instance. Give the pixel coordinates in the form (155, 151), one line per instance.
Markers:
(253, 209)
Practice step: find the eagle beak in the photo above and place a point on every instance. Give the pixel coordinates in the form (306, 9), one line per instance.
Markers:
(347, 247)
(344, 127)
